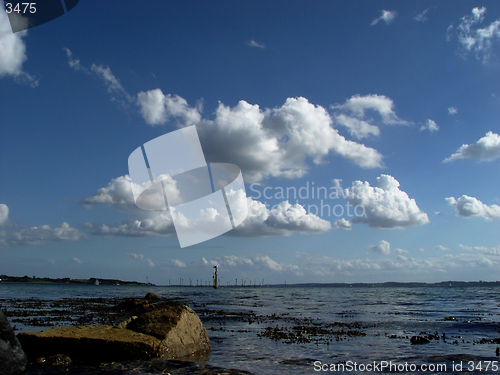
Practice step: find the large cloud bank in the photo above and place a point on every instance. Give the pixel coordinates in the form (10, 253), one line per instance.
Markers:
(282, 220)
(263, 143)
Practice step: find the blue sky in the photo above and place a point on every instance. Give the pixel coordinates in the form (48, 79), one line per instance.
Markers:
(395, 105)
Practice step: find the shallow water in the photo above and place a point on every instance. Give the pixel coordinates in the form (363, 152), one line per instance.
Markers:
(361, 324)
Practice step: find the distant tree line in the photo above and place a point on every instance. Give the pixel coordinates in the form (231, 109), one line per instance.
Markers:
(65, 280)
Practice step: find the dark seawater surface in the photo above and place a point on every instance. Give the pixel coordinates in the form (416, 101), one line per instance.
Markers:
(273, 330)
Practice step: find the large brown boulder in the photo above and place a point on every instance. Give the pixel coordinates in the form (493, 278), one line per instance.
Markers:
(181, 331)
(171, 332)
(89, 343)
(12, 358)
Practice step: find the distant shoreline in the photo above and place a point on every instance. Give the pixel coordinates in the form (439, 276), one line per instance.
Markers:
(99, 281)
(67, 280)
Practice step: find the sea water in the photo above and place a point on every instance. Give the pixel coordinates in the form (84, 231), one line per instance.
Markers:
(464, 321)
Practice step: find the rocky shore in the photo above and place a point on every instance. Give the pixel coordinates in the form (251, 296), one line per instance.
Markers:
(129, 336)
(169, 332)
(152, 328)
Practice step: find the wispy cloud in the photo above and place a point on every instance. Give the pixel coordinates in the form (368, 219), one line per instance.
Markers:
(112, 83)
(385, 15)
(253, 43)
(140, 258)
(472, 38)
(485, 250)
(430, 125)
(114, 86)
(422, 17)
(355, 114)
(176, 263)
(74, 63)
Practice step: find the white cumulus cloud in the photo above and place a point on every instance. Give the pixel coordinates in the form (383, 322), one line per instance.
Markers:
(385, 206)
(263, 143)
(158, 223)
(254, 261)
(135, 256)
(157, 108)
(359, 105)
(470, 207)
(452, 110)
(485, 250)
(40, 235)
(486, 148)
(118, 194)
(383, 247)
(176, 263)
(282, 220)
(441, 248)
(4, 214)
(13, 51)
(343, 224)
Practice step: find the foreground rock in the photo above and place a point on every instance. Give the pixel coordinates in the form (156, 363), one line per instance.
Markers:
(178, 327)
(12, 358)
(170, 332)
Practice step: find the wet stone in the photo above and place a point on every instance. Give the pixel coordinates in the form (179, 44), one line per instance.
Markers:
(152, 297)
(418, 340)
(12, 357)
(55, 360)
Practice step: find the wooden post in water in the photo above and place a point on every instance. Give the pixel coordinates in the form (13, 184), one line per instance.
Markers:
(216, 277)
